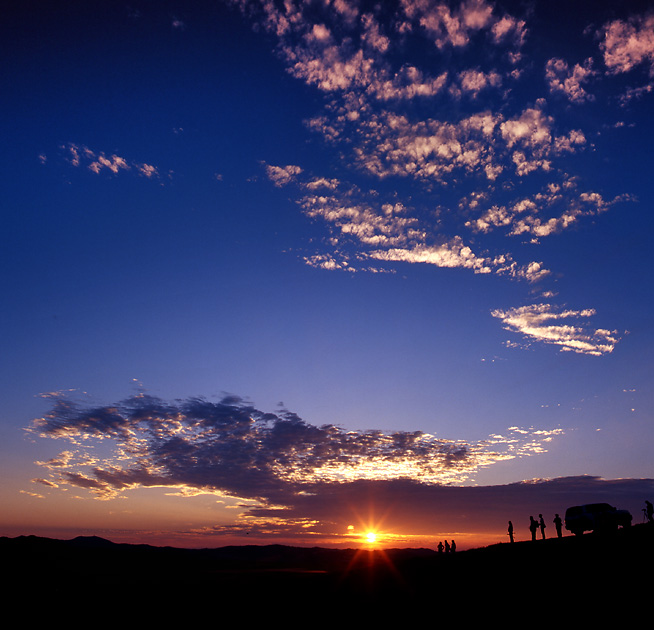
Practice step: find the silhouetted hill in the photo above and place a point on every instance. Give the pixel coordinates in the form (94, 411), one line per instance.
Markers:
(166, 582)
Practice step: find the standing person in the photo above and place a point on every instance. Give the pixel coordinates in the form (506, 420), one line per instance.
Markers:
(453, 547)
(440, 547)
(557, 524)
(541, 524)
(533, 527)
(447, 547)
(510, 531)
(649, 511)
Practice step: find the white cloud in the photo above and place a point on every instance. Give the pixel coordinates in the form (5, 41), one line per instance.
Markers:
(408, 83)
(535, 322)
(370, 226)
(97, 162)
(451, 254)
(531, 129)
(561, 79)
(626, 44)
(447, 27)
(454, 253)
(322, 182)
(282, 175)
(528, 215)
(508, 27)
(473, 81)
(431, 121)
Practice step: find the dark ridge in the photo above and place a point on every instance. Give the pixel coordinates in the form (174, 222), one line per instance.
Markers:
(166, 583)
(91, 541)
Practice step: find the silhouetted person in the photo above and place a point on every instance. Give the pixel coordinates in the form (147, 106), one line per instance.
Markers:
(557, 523)
(533, 527)
(510, 531)
(541, 524)
(440, 547)
(649, 511)
(447, 547)
(453, 547)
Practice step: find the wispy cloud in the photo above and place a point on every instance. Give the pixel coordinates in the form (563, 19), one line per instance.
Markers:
(282, 175)
(545, 323)
(98, 161)
(386, 231)
(553, 209)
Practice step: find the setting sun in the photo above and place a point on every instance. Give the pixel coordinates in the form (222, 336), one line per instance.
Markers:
(371, 537)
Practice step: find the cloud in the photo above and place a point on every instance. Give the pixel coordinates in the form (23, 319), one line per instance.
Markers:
(408, 83)
(534, 323)
(386, 231)
(343, 50)
(429, 150)
(389, 144)
(403, 505)
(447, 27)
(532, 131)
(282, 175)
(435, 101)
(455, 254)
(529, 215)
(509, 28)
(628, 43)
(561, 79)
(385, 225)
(230, 447)
(473, 82)
(79, 155)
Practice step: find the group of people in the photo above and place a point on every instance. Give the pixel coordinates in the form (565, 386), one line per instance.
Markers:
(648, 510)
(447, 548)
(535, 525)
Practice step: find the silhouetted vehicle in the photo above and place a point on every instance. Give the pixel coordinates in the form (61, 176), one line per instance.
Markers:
(595, 517)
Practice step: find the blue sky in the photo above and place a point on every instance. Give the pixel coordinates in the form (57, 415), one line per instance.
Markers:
(411, 238)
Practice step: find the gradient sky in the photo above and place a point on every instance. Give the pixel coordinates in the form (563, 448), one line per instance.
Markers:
(281, 271)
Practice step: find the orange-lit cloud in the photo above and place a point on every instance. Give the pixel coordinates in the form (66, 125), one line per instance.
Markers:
(536, 322)
(292, 481)
(233, 448)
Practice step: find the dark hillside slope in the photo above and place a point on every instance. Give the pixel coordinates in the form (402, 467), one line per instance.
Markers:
(587, 575)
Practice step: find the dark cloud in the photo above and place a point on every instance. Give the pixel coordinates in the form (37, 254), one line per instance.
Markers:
(424, 505)
(231, 447)
(303, 480)
(405, 505)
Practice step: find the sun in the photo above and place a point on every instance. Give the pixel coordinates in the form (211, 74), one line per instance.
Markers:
(371, 537)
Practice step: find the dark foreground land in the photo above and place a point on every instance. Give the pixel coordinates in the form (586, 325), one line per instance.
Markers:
(93, 581)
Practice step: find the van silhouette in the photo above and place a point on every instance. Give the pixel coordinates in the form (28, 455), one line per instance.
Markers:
(595, 517)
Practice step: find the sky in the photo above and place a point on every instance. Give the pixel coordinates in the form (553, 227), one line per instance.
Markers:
(290, 272)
